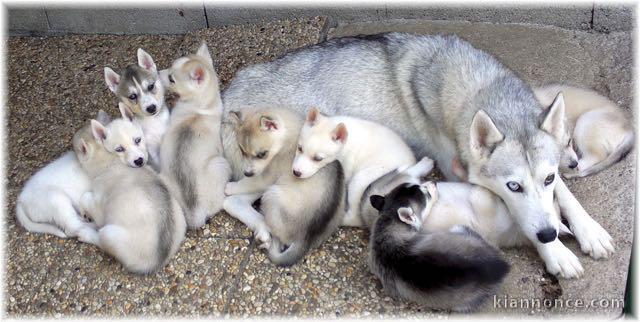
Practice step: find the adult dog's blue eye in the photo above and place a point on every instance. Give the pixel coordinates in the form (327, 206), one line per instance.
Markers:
(514, 186)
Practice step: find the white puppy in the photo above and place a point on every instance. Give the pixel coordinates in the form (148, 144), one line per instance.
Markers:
(49, 200)
(366, 150)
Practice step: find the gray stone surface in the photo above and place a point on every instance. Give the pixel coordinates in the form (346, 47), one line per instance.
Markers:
(542, 55)
(28, 20)
(608, 18)
(55, 83)
(167, 20)
(126, 20)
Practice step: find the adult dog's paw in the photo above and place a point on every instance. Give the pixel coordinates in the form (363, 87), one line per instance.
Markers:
(559, 260)
(593, 239)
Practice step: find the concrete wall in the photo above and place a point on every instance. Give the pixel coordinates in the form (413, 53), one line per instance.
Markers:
(180, 19)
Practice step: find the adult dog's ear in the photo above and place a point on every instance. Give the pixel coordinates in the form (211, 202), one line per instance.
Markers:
(553, 118)
(484, 135)
(377, 202)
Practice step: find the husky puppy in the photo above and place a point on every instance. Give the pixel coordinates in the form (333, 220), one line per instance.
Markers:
(50, 200)
(139, 222)
(462, 107)
(192, 155)
(366, 150)
(298, 213)
(142, 96)
(455, 269)
(601, 132)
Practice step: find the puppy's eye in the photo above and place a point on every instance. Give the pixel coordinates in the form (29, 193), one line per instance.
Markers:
(300, 148)
(119, 149)
(262, 154)
(151, 87)
(514, 186)
(133, 97)
(137, 140)
(171, 80)
(549, 179)
(317, 158)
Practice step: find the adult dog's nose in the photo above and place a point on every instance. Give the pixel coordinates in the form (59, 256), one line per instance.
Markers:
(547, 235)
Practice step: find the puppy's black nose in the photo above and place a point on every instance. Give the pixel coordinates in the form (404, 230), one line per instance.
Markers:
(573, 164)
(139, 162)
(248, 173)
(297, 173)
(151, 108)
(547, 235)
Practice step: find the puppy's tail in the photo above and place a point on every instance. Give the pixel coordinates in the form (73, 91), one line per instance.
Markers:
(36, 227)
(618, 154)
(289, 256)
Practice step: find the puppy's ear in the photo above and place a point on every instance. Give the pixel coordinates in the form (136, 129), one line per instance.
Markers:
(203, 52)
(268, 124)
(197, 74)
(340, 133)
(145, 61)
(377, 202)
(125, 111)
(103, 117)
(313, 116)
(112, 79)
(407, 216)
(98, 130)
(235, 117)
(82, 148)
(484, 135)
(553, 119)
(429, 188)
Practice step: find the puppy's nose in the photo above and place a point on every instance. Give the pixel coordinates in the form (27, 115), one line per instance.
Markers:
(248, 173)
(297, 173)
(573, 164)
(139, 162)
(547, 235)
(151, 108)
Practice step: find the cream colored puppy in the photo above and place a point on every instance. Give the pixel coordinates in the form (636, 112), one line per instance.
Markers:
(601, 132)
(192, 156)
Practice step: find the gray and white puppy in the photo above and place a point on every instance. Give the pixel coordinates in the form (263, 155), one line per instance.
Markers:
(449, 101)
(141, 96)
(191, 155)
(138, 221)
(455, 270)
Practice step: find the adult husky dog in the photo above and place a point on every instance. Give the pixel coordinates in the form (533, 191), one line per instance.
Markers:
(452, 102)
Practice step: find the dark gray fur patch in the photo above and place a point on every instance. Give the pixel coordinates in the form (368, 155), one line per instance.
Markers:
(182, 169)
(166, 224)
(130, 73)
(333, 194)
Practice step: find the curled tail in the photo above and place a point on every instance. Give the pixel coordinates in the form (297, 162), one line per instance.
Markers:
(289, 256)
(618, 154)
(36, 227)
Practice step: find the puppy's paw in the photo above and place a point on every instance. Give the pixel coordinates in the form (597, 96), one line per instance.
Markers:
(264, 238)
(88, 235)
(560, 261)
(593, 239)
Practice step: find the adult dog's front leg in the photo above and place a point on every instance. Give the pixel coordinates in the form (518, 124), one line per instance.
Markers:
(593, 239)
(559, 259)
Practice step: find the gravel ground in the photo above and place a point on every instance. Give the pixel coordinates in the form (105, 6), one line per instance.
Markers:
(56, 83)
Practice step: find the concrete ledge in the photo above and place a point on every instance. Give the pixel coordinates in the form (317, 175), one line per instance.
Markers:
(180, 19)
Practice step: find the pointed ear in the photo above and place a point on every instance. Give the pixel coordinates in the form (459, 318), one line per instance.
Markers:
(407, 216)
(82, 148)
(429, 187)
(145, 61)
(377, 202)
(98, 130)
(484, 135)
(197, 74)
(103, 117)
(312, 116)
(340, 133)
(235, 117)
(268, 124)
(125, 111)
(112, 79)
(203, 52)
(553, 118)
